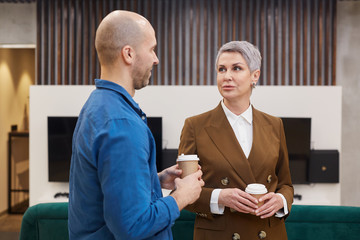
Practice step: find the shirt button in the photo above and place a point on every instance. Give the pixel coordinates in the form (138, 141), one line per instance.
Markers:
(143, 117)
(236, 236)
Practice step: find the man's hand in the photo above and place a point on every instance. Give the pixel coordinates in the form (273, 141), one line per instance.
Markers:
(188, 189)
(238, 200)
(273, 203)
(167, 176)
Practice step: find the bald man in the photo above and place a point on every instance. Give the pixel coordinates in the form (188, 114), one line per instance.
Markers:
(115, 190)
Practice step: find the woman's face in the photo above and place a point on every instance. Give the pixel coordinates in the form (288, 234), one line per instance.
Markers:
(234, 79)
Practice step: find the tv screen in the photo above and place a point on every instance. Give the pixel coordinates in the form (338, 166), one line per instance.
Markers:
(155, 126)
(60, 132)
(298, 135)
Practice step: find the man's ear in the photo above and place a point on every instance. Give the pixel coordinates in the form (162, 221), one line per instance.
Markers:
(128, 54)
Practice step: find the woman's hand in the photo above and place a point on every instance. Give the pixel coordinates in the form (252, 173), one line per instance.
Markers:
(272, 203)
(238, 200)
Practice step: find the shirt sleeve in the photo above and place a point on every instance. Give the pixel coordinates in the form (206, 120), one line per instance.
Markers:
(215, 207)
(133, 204)
(284, 211)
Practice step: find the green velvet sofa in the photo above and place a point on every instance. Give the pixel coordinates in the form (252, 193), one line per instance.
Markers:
(49, 221)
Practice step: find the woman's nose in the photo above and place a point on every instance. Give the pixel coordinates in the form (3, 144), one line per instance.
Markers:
(227, 75)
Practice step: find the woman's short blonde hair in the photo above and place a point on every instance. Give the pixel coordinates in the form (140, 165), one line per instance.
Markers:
(250, 53)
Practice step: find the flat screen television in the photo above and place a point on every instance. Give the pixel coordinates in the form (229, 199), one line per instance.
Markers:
(60, 132)
(155, 126)
(298, 137)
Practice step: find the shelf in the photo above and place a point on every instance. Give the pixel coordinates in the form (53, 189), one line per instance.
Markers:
(18, 198)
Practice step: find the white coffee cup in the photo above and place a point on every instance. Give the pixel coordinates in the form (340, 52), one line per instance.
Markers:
(188, 163)
(257, 190)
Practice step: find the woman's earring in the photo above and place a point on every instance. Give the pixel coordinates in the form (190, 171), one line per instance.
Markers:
(253, 84)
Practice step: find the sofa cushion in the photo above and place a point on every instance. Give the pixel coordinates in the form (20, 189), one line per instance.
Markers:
(323, 222)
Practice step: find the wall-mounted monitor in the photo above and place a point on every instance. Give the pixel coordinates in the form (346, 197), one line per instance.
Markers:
(60, 132)
(298, 137)
(155, 126)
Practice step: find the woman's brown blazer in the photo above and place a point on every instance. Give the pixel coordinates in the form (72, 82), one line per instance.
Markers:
(224, 165)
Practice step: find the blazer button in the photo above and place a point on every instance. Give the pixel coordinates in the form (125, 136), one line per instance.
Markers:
(262, 234)
(236, 236)
(269, 179)
(225, 181)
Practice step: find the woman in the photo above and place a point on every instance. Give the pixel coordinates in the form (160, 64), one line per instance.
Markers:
(238, 145)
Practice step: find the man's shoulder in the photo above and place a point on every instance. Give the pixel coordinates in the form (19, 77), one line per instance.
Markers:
(108, 105)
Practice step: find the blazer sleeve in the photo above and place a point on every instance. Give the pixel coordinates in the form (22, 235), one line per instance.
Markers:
(188, 146)
(284, 185)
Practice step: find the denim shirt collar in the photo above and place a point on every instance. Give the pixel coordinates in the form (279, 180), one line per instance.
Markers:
(100, 83)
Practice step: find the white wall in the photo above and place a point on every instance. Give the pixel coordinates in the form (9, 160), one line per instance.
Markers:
(49, 101)
(174, 104)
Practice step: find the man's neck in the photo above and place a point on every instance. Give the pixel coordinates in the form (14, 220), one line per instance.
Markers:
(121, 78)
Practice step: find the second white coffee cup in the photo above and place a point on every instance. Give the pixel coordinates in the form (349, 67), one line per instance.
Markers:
(188, 163)
(257, 190)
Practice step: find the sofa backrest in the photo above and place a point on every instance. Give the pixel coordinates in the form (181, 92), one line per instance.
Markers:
(304, 223)
(323, 222)
(49, 221)
(183, 228)
(45, 221)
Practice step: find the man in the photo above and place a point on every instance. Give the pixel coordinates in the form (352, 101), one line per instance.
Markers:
(115, 191)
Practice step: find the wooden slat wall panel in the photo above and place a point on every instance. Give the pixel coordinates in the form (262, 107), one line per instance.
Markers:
(296, 38)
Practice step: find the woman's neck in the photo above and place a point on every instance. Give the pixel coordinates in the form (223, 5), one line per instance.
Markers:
(237, 107)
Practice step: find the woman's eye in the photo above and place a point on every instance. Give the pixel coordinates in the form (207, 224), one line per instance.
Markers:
(221, 69)
(237, 68)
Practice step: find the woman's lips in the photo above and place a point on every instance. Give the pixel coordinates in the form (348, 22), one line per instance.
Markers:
(228, 87)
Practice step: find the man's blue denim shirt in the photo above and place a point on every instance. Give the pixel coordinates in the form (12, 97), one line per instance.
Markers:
(115, 191)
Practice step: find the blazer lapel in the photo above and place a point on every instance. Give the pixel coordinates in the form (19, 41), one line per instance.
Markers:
(224, 138)
(261, 143)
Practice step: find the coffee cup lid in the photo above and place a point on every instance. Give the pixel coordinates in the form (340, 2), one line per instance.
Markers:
(256, 188)
(189, 157)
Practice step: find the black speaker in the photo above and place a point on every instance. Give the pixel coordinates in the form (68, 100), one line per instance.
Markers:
(324, 166)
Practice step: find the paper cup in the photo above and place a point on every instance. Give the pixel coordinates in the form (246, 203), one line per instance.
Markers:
(188, 163)
(257, 190)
